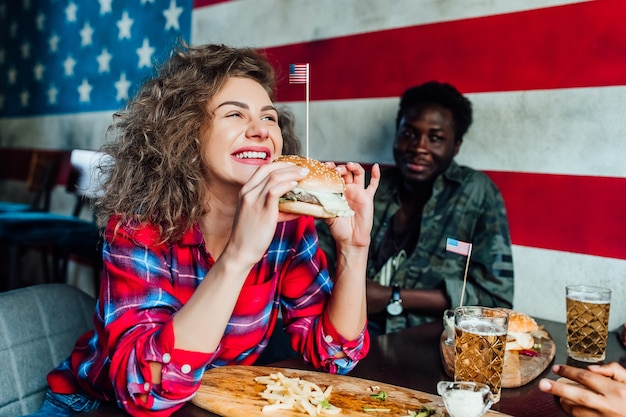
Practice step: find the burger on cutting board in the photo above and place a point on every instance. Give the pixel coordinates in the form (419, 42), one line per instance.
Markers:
(319, 194)
(524, 333)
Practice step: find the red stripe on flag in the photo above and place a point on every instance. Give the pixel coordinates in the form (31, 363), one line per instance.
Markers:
(202, 3)
(568, 213)
(577, 45)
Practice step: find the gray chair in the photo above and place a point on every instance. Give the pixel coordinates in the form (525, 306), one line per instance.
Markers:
(38, 328)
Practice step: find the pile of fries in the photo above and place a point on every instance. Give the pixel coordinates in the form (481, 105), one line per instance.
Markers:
(285, 393)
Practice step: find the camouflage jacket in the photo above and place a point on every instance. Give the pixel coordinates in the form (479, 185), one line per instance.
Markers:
(465, 205)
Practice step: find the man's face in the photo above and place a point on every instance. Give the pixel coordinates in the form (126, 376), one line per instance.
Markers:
(425, 144)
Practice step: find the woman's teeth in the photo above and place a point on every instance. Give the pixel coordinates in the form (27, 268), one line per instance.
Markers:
(251, 155)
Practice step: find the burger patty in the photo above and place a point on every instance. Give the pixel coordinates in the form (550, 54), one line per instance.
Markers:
(304, 197)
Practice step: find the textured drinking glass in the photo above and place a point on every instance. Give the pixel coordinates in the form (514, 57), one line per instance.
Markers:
(587, 315)
(448, 325)
(480, 339)
(465, 399)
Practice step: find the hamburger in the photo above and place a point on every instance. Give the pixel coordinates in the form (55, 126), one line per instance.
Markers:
(320, 194)
(523, 330)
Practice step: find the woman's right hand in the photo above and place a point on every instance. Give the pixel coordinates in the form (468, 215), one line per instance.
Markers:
(601, 390)
(257, 212)
(377, 296)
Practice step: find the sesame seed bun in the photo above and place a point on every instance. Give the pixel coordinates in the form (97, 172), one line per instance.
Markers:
(520, 333)
(521, 322)
(321, 177)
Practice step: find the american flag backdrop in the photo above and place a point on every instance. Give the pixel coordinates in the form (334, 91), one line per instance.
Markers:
(547, 79)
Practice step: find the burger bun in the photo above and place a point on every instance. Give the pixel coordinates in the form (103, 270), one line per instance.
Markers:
(520, 335)
(305, 209)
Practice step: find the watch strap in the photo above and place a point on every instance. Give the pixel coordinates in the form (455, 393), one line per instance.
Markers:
(395, 293)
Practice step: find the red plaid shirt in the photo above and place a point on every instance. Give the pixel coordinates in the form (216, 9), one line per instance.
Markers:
(145, 284)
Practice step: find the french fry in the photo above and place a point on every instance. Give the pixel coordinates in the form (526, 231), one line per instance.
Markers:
(284, 393)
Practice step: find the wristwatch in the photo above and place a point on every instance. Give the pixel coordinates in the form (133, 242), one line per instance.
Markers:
(395, 303)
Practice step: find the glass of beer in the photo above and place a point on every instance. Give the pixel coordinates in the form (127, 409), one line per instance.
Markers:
(479, 343)
(587, 315)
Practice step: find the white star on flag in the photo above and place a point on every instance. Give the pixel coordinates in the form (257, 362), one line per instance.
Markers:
(69, 65)
(24, 98)
(70, 12)
(145, 54)
(53, 42)
(26, 50)
(52, 94)
(86, 33)
(105, 6)
(40, 21)
(124, 26)
(38, 71)
(103, 61)
(12, 76)
(122, 86)
(171, 15)
(85, 90)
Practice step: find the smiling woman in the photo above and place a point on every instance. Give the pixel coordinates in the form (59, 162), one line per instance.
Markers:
(198, 261)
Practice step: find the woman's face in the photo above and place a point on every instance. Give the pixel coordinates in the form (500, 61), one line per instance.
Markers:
(244, 133)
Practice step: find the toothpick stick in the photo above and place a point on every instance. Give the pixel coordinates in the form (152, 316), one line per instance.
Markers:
(307, 110)
(469, 254)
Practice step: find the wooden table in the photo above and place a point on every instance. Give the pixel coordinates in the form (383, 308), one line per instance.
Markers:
(411, 359)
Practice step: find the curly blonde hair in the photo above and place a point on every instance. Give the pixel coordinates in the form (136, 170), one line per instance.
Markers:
(156, 172)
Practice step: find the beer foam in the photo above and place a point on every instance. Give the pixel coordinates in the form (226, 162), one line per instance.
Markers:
(480, 327)
(588, 298)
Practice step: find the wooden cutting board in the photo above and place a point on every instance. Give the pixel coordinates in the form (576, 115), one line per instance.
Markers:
(230, 391)
(518, 369)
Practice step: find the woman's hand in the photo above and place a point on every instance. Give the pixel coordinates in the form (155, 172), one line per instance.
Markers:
(377, 296)
(257, 212)
(355, 230)
(602, 389)
(347, 306)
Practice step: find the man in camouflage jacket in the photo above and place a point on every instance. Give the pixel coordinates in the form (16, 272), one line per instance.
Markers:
(422, 201)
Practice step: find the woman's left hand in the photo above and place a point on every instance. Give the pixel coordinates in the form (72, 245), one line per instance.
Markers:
(355, 230)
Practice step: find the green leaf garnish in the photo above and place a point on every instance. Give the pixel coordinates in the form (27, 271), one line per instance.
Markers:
(382, 396)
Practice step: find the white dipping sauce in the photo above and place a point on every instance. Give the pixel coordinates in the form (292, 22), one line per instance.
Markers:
(464, 403)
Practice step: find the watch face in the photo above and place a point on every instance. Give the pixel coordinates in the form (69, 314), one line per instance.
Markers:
(394, 308)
